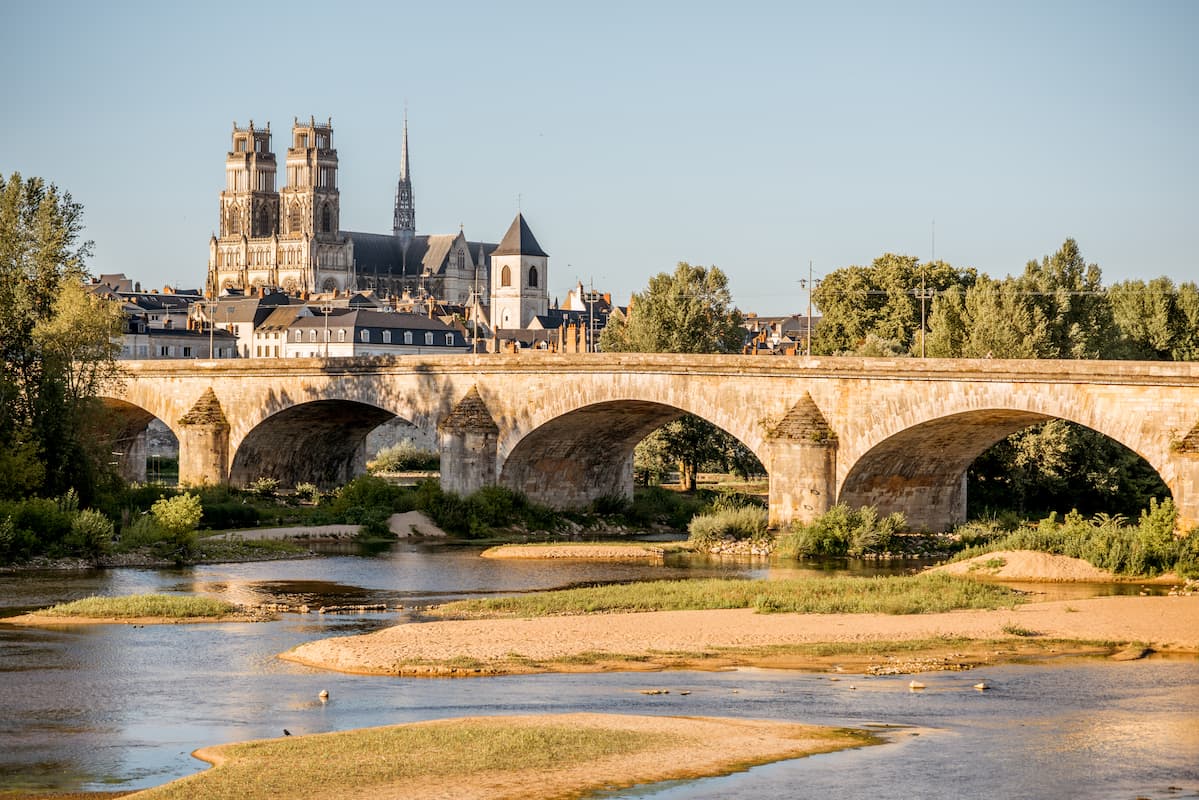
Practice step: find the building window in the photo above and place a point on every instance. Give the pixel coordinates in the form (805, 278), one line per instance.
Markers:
(341, 334)
(326, 218)
(299, 336)
(449, 340)
(533, 277)
(428, 337)
(407, 337)
(506, 276)
(461, 259)
(312, 335)
(165, 351)
(365, 335)
(187, 352)
(386, 337)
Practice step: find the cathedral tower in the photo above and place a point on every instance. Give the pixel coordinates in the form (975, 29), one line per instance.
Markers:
(314, 254)
(519, 278)
(249, 216)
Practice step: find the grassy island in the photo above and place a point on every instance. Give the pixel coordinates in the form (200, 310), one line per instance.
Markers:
(504, 757)
(142, 606)
(917, 594)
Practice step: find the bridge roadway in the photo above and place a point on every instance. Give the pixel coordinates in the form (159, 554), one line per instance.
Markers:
(898, 434)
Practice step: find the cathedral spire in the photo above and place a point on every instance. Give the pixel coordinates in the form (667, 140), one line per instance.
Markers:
(404, 225)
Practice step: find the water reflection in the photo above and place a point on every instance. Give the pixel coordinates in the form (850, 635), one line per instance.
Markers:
(119, 706)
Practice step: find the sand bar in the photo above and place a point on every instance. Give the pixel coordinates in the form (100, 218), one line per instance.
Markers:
(672, 748)
(508, 646)
(591, 552)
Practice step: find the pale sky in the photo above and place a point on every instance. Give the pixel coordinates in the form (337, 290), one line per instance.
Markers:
(754, 136)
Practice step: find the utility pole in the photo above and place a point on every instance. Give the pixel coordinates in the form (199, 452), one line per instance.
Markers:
(810, 283)
(326, 309)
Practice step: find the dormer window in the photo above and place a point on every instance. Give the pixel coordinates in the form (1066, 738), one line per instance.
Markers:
(428, 337)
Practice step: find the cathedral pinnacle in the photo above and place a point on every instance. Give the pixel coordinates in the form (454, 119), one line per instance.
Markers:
(404, 225)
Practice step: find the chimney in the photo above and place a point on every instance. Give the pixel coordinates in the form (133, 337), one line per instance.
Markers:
(261, 292)
(608, 298)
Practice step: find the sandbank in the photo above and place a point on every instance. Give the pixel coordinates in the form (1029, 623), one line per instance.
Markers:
(379, 763)
(411, 523)
(582, 550)
(1032, 566)
(721, 638)
(36, 620)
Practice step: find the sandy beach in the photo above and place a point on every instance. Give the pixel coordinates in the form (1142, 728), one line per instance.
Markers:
(590, 552)
(707, 639)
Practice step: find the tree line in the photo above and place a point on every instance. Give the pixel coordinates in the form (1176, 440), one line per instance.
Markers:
(1057, 307)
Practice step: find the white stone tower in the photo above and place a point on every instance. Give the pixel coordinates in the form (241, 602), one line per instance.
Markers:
(249, 213)
(311, 209)
(519, 274)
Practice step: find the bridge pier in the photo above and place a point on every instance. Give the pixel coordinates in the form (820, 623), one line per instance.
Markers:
(468, 440)
(204, 443)
(802, 454)
(1185, 489)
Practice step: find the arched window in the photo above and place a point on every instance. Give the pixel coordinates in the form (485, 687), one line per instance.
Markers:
(341, 334)
(533, 277)
(299, 336)
(506, 276)
(461, 259)
(407, 337)
(263, 226)
(428, 337)
(326, 218)
(386, 337)
(312, 335)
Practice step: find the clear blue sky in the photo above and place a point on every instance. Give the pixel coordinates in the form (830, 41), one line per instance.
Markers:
(754, 136)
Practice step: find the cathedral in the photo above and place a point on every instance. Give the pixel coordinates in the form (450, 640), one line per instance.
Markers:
(291, 238)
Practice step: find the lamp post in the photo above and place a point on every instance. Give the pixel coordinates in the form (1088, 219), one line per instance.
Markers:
(326, 309)
(211, 308)
(809, 283)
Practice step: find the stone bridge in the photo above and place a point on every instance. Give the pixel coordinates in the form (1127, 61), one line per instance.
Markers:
(898, 434)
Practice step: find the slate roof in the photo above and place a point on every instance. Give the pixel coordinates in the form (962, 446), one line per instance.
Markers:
(519, 241)
(382, 253)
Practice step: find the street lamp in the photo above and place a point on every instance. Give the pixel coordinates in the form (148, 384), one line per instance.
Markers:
(809, 283)
(211, 308)
(326, 309)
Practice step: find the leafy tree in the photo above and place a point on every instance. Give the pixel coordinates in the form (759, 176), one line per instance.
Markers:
(1156, 320)
(55, 344)
(1069, 295)
(876, 310)
(687, 311)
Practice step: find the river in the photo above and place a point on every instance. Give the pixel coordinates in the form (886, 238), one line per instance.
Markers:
(122, 707)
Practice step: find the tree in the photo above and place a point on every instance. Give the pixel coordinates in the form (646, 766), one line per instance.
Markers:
(688, 311)
(55, 344)
(876, 310)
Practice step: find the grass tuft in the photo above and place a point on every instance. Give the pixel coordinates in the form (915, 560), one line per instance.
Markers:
(919, 594)
(142, 605)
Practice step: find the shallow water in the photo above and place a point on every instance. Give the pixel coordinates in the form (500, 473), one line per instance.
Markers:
(119, 706)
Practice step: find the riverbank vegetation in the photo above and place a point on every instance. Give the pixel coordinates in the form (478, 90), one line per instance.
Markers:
(553, 755)
(142, 605)
(918, 594)
(1147, 547)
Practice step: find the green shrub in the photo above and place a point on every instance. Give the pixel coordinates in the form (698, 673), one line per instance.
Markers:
(1108, 542)
(744, 523)
(265, 486)
(368, 491)
(40, 525)
(404, 456)
(230, 514)
(654, 505)
(178, 517)
(91, 534)
(842, 531)
(142, 531)
(307, 491)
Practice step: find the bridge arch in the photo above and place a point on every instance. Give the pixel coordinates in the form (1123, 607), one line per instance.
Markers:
(126, 424)
(320, 441)
(921, 469)
(584, 454)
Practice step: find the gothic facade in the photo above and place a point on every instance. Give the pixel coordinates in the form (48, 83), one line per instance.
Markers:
(291, 237)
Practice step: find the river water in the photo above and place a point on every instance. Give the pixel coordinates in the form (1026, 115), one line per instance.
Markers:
(120, 707)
